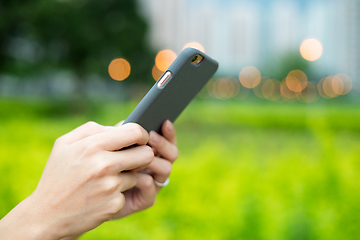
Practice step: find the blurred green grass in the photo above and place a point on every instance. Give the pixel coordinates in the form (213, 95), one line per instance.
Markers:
(245, 171)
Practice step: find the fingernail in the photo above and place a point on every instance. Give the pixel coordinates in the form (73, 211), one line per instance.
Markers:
(169, 126)
(154, 137)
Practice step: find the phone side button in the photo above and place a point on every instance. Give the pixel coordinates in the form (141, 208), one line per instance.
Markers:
(164, 79)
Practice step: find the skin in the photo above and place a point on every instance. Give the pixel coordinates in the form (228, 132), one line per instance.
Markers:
(87, 181)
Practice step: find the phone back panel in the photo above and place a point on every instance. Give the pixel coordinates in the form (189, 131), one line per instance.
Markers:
(167, 102)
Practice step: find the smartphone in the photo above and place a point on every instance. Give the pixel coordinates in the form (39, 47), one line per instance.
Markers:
(174, 90)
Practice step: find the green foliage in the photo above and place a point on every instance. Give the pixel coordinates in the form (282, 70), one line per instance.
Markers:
(275, 171)
(281, 67)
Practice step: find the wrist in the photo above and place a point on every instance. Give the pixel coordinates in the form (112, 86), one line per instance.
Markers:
(45, 225)
(25, 221)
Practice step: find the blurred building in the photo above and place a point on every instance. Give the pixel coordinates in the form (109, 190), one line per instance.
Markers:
(349, 36)
(242, 33)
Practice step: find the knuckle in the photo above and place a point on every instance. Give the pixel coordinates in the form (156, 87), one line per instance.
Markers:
(117, 204)
(59, 140)
(110, 185)
(90, 146)
(102, 169)
(94, 126)
(91, 124)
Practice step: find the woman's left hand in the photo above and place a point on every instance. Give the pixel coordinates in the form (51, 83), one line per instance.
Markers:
(145, 192)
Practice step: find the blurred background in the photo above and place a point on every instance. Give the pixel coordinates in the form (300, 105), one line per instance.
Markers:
(269, 149)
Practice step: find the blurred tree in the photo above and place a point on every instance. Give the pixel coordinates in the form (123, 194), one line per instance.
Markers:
(14, 19)
(80, 35)
(281, 67)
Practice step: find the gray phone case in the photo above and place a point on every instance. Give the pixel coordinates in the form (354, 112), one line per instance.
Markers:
(167, 102)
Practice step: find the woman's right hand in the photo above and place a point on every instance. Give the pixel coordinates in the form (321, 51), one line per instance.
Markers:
(82, 184)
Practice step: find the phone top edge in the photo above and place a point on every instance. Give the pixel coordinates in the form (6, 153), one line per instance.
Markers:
(186, 55)
(175, 94)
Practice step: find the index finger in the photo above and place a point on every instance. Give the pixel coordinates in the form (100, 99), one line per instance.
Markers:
(81, 132)
(120, 137)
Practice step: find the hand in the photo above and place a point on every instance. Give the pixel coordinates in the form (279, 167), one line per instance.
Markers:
(145, 192)
(82, 184)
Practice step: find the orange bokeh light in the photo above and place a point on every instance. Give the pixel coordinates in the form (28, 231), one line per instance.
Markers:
(321, 89)
(346, 81)
(271, 90)
(250, 77)
(222, 88)
(209, 87)
(225, 88)
(285, 91)
(258, 89)
(215, 90)
(119, 69)
(309, 94)
(296, 81)
(334, 86)
(156, 73)
(337, 85)
(164, 59)
(311, 49)
(328, 87)
(195, 45)
(268, 88)
(236, 86)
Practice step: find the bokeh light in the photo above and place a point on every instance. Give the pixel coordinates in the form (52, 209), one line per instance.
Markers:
(164, 59)
(309, 94)
(119, 69)
(268, 88)
(328, 87)
(215, 89)
(209, 87)
(156, 73)
(258, 89)
(276, 94)
(250, 77)
(320, 89)
(296, 81)
(286, 92)
(223, 88)
(195, 45)
(337, 85)
(236, 86)
(271, 90)
(347, 83)
(311, 49)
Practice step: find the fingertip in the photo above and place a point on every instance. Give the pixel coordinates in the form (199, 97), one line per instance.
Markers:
(138, 132)
(169, 127)
(169, 131)
(154, 138)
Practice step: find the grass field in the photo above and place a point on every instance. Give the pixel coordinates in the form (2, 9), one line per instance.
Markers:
(245, 171)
